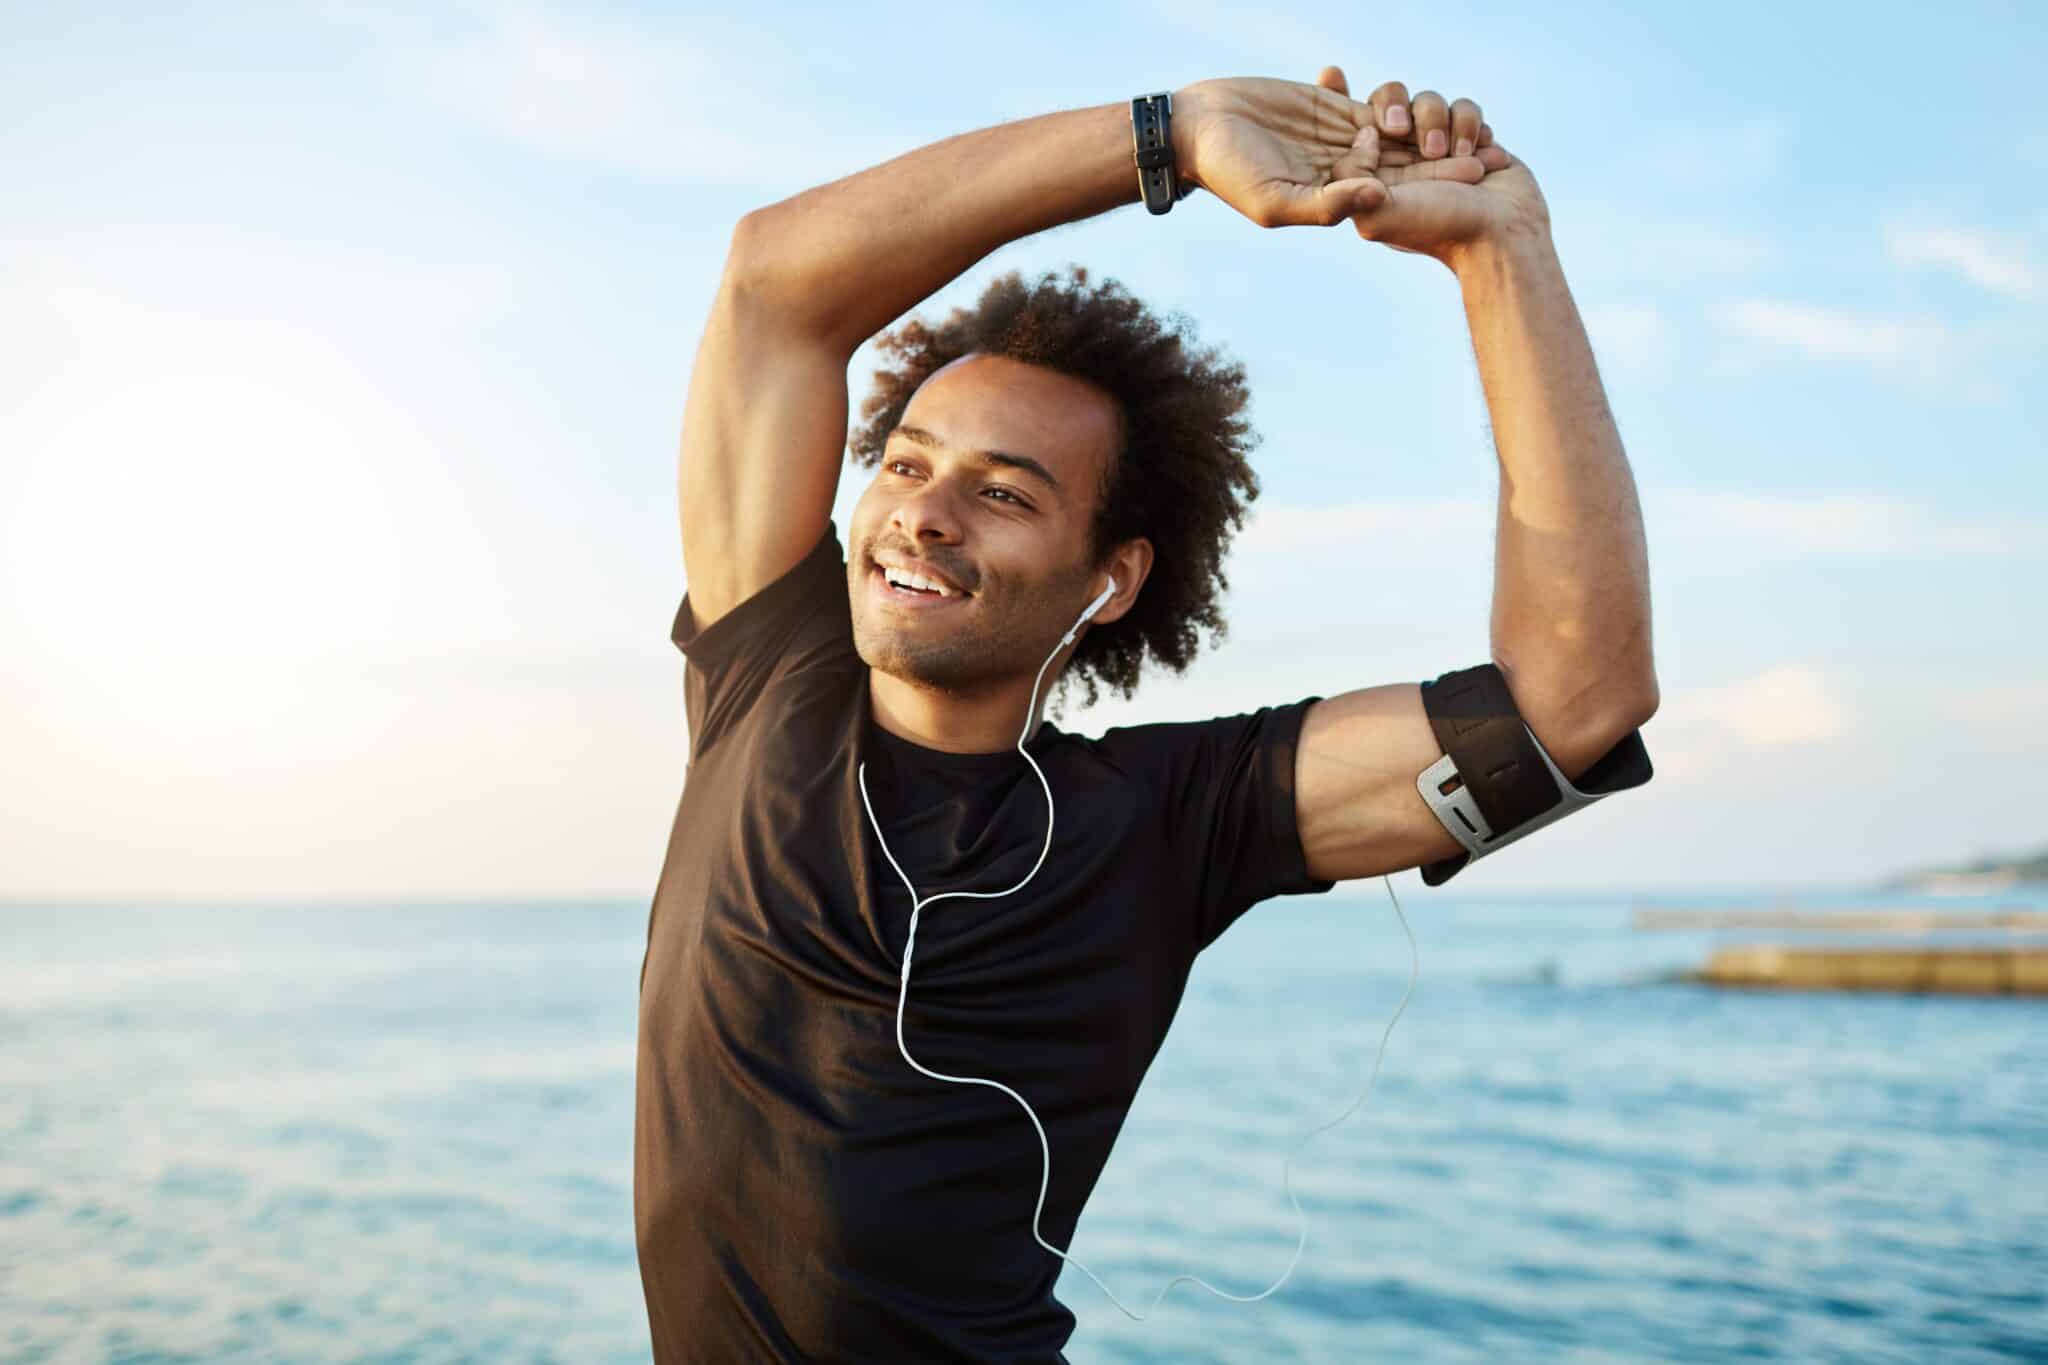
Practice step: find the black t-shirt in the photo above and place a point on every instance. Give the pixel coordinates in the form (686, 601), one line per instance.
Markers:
(800, 1192)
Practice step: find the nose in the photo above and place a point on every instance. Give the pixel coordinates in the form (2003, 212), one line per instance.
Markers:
(931, 514)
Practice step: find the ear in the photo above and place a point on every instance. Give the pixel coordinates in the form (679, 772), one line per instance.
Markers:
(1129, 564)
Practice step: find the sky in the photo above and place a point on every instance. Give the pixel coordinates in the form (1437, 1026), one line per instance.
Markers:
(343, 352)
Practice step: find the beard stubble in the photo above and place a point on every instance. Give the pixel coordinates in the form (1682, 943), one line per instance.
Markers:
(1004, 631)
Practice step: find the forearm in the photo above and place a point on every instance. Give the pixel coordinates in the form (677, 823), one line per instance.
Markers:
(848, 257)
(1571, 595)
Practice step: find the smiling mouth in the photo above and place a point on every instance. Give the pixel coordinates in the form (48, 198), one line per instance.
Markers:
(914, 598)
(914, 586)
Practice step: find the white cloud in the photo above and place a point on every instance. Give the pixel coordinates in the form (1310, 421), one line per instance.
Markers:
(1715, 157)
(1276, 41)
(1395, 531)
(1288, 528)
(1839, 335)
(644, 102)
(1845, 523)
(1616, 242)
(2000, 266)
(1781, 711)
(2001, 708)
(133, 296)
(1775, 709)
(1633, 334)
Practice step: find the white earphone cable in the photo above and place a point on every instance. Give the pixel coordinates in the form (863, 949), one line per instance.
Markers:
(1045, 1148)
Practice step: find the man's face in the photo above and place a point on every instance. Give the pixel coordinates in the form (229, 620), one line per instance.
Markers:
(1009, 541)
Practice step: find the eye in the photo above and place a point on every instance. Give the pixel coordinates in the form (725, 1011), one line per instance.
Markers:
(896, 466)
(1007, 493)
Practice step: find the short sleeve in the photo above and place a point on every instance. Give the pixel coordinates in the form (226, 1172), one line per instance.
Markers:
(799, 621)
(1226, 789)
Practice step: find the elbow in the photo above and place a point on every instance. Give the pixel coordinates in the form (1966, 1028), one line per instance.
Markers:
(1577, 732)
(1596, 703)
(768, 277)
(749, 255)
(1640, 702)
(1624, 694)
(1627, 706)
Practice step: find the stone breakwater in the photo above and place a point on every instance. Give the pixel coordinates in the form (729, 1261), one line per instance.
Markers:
(1941, 971)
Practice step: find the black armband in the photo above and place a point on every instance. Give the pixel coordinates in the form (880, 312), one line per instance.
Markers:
(1495, 784)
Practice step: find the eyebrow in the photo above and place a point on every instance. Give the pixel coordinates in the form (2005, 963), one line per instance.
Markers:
(1004, 458)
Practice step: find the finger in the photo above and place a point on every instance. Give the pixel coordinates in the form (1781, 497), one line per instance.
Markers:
(1394, 154)
(1318, 205)
(1465, 170)
(1432, 124)
(1332, 78)
(1363, 194)
(1390, 109)
(1485, 134)
(1465, 123)
(1471, 169)
(1362, 158)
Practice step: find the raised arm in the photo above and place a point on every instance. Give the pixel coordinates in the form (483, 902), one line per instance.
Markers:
(809, 279)
(1571, 599)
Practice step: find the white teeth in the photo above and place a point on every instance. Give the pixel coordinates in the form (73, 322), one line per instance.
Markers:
(910, 580)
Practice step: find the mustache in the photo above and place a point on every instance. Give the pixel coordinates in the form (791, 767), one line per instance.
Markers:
(952, 570)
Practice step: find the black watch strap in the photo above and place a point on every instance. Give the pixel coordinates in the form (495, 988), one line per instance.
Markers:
(1152, 140)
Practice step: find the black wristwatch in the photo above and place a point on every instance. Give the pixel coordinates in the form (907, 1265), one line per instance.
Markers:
(1152, 137)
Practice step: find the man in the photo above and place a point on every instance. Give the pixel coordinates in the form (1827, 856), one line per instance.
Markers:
(801, 1191)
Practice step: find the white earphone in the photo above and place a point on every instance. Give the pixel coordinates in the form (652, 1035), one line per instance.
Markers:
(917, 905)
(1079, 621)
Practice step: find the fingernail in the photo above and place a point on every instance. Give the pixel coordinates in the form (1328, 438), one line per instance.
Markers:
(1397, 118)
(1434, 144)
(1464, 146)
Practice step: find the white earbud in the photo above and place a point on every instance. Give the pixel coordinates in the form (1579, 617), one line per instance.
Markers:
(1088, 611)
(1097, 604)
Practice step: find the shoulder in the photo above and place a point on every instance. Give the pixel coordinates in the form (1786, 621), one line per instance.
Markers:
(1198, 761)
(1157, 742)
(790, 641)
(812, 591)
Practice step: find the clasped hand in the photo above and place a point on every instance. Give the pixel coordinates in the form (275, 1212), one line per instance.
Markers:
(1421, 174)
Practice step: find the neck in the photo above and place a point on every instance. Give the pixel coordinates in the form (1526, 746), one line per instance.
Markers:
(981, 722)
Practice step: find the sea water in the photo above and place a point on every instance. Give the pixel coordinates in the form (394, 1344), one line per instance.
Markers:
(403, 1133)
